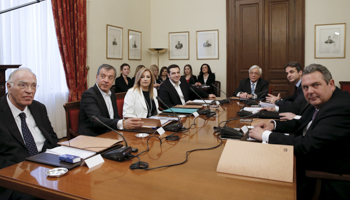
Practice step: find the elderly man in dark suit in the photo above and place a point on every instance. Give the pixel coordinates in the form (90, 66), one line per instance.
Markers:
(100, 101)
(25, 128)
(175, 90)
(254, 86)
(321, 137)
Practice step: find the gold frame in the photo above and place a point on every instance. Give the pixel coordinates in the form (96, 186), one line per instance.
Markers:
(108, 46)
(179, 57)
(213, 57)
(320, 37)
(129, 39)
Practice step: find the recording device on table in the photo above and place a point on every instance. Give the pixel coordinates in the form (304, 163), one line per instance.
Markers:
(261, 114)
(119, 154)
(228, 132)
(207, 111)
(174, 127)
(224, 100)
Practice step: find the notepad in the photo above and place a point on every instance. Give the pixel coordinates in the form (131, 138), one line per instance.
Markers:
(181, 110)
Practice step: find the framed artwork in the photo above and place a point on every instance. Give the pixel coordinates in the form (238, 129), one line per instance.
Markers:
(135, 45)
(178, 45)
(114, 42)
(208, 45)
(330, 40)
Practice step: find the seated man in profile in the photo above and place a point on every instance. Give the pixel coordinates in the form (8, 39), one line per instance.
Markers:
(100, 101)
(254, 86)
(319, 137)
(175, 90)
(25, 129)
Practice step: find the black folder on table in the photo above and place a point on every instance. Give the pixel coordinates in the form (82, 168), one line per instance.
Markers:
(53, 160)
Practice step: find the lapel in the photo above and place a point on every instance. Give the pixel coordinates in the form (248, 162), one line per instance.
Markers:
(38, 118)
(9, 121)
(184, 89)
(141, 98)
(249, 89)
(101, 102)
(172, 90)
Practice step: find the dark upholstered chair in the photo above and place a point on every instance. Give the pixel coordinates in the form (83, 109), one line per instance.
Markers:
(120, 103)
(345, 85)
(72, 118)
(217, 92)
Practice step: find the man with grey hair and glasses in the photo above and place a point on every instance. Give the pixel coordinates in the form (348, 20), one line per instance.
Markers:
(25, 129)
(100, 101)
(254, 86)
(321, 138)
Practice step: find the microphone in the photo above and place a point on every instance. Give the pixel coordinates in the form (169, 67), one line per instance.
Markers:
(98, 120)
(262, 93)
(171, 127)
(204, 111)
(224, 100)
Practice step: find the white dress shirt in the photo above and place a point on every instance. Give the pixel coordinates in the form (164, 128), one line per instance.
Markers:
(256, 83)
(179, 91)
(34, 129)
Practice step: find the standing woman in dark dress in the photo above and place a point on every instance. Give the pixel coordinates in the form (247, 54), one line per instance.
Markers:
(206, 77)
(163, 75)
(188, 75)
(123, 82)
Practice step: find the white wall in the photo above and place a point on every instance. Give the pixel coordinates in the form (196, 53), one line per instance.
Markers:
(327, 12)
(189, 15)
(129, 14)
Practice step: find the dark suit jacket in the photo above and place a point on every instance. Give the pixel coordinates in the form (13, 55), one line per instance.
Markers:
(12, 147)
(192, 80)
(328, 138)
(211, 79)
(244, 86)
(295, 103)
(120, 84)
(168, 94)
(92, 103)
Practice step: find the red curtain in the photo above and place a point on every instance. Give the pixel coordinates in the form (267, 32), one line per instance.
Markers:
(70, 23)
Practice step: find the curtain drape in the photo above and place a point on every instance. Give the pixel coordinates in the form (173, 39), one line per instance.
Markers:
(27, 37)
(70, 23)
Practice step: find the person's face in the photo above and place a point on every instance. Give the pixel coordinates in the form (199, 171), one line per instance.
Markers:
(174, 75)
(293, 75)
(126, 70)
(254, 75)
(105, 79)
(156, 71)
(205, 69)
(316, 90)
(21, 92)
(164, 72)
(145, 79)
(187, 70)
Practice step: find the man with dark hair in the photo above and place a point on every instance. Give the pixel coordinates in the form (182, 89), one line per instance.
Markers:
(100, 101)
(175, 90)
(320, 138)
(25, 129)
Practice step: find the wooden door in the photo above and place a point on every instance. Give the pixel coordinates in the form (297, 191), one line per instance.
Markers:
(268, 33)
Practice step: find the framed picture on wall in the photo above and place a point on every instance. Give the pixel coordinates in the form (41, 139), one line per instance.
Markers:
(207, 44)
(179, 45)
(135, 45)
(330, 40)
(114, 42)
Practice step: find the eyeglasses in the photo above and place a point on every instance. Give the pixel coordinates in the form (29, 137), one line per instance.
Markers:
(24, 85)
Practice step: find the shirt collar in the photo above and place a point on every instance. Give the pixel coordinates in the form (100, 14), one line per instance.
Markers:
(298, 83)
(256, 82)
(174, 83)
(15, 111)
(103, 93)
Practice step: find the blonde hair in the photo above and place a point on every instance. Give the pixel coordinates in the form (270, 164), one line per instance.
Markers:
(138, 68)
(137, 84)
(154, 68)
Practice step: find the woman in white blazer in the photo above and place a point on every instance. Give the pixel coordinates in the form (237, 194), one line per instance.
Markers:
(140, 101)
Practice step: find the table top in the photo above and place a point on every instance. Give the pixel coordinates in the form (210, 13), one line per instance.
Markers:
(195, 179)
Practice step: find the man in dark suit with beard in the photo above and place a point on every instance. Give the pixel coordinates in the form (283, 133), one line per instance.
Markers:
(25, 129)
(321, 137)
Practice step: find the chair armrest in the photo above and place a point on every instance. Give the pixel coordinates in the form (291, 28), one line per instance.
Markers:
(326, 175)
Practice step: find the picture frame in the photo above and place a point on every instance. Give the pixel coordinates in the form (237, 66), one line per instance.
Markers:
(179, 45)
(134, 45)
(207, 44)
(330, 40)
(114, 42)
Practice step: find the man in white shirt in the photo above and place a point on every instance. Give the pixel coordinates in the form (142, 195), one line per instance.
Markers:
(100, 101)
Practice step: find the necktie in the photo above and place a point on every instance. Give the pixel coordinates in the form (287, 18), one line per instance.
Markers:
(253, 88)
(27, 135)
(315, 113)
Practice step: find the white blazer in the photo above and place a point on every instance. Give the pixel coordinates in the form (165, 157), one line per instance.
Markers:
(135, 105)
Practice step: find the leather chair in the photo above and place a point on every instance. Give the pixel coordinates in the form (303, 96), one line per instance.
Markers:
(271, 87)
(72, 118)
(120, 102)
(217, 92)
(345, 85)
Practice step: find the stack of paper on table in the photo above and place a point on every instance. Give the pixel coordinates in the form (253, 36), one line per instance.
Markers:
(268, 161)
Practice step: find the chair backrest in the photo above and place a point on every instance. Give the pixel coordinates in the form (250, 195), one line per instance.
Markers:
(72, 118)
(120, 102)
(217, 92)
(345, 85)
(271, 87)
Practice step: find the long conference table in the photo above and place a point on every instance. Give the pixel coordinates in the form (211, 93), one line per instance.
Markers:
(195, 179)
